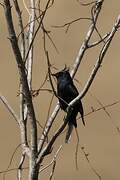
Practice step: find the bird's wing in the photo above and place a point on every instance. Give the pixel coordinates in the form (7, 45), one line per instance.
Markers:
(72, 90)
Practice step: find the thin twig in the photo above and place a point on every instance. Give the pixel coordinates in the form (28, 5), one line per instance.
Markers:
(91, 166)
(50, 79)
(101, 108)
(108, 114)
(12, 169)
(48, 113)
(10, 162)
(26, 7)
(35, 19)
(77, 146)
(93, 11)
(49, 73)
(19, 13)
(83, 48)
(47, 149)
(20, 168)
(9, 108)
(54, 158)
(68, 24)
(43, 15)
(86, 4)
(98, 42)
(98, 62)
(54, 163)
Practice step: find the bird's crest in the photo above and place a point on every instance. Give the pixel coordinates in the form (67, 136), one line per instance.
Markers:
(65, 68)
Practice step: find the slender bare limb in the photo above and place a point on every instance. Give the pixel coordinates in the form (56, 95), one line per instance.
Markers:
(54, 159)
(20, 167)
(50, 79)
(9, 108)
(89, 162)
(54, 163)
(19, 13)
(48, 148)
(23, 80)
(83, 48)
(101, 108)
(98, 42)
(108, 114)
(43, 15)
(86, 4)
(12, 169)
(76, 151)
(29, 61)
(99, 61)
(44, 30)
(10, 162)
(47, 127)
(49, 73)
(26, 7)
(23, 108)
(68, 24)
(104, 108)
(50, 106)
(48, 113)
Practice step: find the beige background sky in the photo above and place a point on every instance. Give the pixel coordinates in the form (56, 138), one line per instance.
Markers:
(100, 137)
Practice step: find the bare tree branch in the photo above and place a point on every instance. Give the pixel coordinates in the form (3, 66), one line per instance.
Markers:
(68, 24)
(23, 80)
(48, 148)
(19, 13)
(98, 42)
(43, 15)
(53, 160)
(86, 4)
(83, 48)
(10, 162)
(54, 163)
(9, 108)
(20, 167)
(98, 62)
(89, 162)
(12, 169)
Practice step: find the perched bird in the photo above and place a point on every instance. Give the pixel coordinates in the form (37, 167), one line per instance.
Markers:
(66, 92)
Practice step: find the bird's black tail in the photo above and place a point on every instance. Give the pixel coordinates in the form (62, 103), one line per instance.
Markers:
(69, 131)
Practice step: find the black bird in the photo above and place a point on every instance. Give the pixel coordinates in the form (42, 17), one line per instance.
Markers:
(66, 92)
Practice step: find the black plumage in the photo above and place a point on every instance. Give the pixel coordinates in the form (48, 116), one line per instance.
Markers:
(67, 91)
